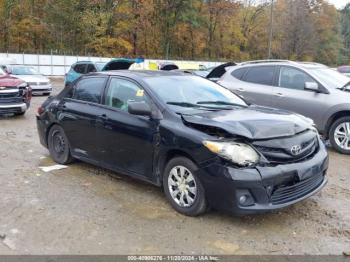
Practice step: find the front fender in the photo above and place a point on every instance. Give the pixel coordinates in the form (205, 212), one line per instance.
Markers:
(330, 115)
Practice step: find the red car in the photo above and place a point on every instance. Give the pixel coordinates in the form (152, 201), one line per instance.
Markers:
(15, 95)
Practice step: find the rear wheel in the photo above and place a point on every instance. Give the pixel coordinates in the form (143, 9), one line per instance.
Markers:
(59, 146)
(339, 135)
(182, 187)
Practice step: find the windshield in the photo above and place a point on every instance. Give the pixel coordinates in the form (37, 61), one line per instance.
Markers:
(330, 77)
(100, 65)
(193, 91)
(24, 70)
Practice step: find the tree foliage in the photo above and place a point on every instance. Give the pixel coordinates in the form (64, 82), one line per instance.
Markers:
(188, 29)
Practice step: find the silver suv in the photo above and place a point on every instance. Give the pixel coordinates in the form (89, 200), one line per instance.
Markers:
(310, 89)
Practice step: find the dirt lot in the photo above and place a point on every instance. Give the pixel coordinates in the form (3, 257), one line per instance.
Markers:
(82, 210)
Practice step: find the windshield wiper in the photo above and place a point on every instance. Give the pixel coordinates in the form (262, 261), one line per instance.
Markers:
(220, 103)
(186, 104)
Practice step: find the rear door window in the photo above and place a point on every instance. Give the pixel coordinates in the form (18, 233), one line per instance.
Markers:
(90, 89)
(80, 68)
(260, 75)
(293, 78)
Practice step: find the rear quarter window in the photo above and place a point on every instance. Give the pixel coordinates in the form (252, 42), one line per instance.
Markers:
(238, 73)
(79, 68)
(260, 75)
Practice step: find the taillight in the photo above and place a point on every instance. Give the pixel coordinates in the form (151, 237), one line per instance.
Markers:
(40, 111)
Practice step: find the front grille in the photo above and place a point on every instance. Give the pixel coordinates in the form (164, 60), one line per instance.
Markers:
(42, 90)
(285, 194)
(8, 95)
(278, 151)
(38, 83)
(5, 111)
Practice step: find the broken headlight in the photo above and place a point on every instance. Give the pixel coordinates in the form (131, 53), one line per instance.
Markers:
(238, 153)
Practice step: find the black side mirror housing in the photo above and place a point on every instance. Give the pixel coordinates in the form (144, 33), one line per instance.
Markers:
(139, 108)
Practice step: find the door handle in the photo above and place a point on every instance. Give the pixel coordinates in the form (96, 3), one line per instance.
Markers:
(241, 89)
(279, 94)
(103, 117)
(100, 120)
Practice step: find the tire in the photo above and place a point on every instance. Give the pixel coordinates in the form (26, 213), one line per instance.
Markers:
(339, 135)
(59, 146)
(193, 202)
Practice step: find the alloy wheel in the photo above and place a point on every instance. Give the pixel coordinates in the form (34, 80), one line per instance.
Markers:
(342, 135)
(182, 186)
(59, 143)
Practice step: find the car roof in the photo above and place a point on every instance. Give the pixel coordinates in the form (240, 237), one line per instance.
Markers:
(140, 73)
(305, 65)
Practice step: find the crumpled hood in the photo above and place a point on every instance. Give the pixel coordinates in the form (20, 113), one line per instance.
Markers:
(253, 122)
(32, 78)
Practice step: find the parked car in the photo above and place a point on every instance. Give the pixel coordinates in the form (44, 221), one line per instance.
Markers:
(202, 143)
(345, 70)
(168, 66)
(310, 89)
(218, 71)
(15, 95)
(85, 67)
(39, 83)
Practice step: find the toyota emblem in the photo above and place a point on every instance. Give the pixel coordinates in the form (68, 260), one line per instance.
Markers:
(295, 150)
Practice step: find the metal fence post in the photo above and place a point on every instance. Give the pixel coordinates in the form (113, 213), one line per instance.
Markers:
(51, 64)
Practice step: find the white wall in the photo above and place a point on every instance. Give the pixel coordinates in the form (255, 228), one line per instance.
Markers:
(56, 65)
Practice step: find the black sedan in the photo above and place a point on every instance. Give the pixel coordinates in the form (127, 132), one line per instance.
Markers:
(206, 146)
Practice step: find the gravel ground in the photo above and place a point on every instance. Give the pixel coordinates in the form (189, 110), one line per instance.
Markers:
(83, 210)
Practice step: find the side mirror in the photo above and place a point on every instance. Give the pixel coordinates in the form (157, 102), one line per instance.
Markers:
(7, 69)
(139, 108)
(312, 86)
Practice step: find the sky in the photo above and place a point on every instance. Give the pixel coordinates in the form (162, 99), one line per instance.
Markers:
(339, 3)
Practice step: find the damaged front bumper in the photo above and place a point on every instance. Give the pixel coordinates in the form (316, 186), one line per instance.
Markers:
(263, 188)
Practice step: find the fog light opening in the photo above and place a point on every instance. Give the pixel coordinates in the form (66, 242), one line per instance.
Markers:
(245, 198)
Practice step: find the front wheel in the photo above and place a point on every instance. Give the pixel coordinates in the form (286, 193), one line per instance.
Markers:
(182, 187)
(59, 146)
(339, 135)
